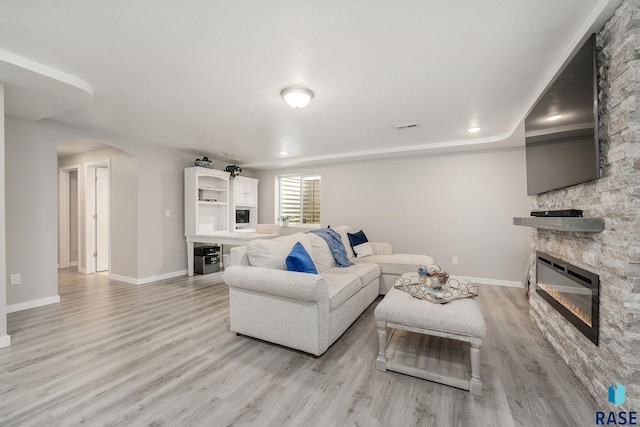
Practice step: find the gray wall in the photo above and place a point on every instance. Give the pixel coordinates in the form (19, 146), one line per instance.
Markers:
(3, 269)
(161, 188)
(456, 205)
(124, 206)
(145, 182)
(143, 189)
(31, 211)
(447, 205)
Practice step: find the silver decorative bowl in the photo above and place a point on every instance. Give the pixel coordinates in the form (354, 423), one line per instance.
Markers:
(204, 164)
(434, 282)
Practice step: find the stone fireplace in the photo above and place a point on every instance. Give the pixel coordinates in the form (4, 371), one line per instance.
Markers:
(613, 254)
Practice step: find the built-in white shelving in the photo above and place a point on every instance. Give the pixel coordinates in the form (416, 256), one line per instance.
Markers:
(206, 201)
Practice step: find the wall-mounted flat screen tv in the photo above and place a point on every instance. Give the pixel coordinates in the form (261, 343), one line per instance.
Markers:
(561, 130)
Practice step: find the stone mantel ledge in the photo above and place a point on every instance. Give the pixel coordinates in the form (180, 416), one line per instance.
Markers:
(574, 224)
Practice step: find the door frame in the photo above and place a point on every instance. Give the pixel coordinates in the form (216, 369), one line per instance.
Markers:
(64, 216)
(90, 210)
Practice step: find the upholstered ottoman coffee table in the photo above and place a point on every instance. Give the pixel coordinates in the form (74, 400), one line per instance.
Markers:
(457, 320)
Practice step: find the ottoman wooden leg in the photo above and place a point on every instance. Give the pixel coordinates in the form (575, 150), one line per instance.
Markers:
(381, 361)
(475, 385)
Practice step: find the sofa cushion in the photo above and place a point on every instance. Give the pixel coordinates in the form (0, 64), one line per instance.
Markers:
(360, 244)
(272, 253)
(381, 248)
(300, 260)
(320, 253)
(343, 230)
(341, 287)
(397, 263)
(366, 272)
(336, 245)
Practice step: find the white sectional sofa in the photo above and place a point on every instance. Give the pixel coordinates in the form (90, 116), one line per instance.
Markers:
(307, 312)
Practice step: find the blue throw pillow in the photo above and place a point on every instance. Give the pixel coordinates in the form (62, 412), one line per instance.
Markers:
(300, 260)
(360, 244)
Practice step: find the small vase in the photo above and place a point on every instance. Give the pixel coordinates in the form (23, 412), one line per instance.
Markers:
(436, 283)
(285, 223)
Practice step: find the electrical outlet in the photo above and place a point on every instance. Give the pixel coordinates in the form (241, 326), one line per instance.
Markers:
(167, 213)
(454, 260)
(15, 279)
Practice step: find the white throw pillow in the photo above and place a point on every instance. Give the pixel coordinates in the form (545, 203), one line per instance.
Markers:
(363, 249)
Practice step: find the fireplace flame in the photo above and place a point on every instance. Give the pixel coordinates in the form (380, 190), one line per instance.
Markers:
(567, 304)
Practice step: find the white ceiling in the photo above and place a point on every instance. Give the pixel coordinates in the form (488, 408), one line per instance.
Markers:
(205, 76)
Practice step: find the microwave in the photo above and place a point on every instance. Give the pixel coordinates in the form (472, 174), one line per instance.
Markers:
(242, 216)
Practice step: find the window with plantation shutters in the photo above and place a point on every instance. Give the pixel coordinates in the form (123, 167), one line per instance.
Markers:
(300, 199)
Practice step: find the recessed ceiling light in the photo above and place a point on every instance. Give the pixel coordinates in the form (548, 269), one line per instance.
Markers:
(284, 153)
(554, 117)
(474, 130)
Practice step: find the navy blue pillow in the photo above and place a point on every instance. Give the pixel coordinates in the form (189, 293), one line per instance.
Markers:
(300, 260)
(357, 238)
(360, 244)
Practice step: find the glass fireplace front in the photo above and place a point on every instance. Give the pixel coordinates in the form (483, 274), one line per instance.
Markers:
(572, 291)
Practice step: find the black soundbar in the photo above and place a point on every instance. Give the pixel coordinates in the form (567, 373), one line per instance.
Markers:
(560, 212)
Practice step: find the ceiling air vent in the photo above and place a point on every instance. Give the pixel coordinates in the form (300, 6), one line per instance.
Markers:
(406, 126)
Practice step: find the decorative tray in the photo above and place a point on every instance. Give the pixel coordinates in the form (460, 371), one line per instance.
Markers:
(451, 291)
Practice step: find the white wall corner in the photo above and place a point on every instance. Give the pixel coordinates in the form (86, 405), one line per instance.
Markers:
(165, 276)
(496, 282)
(124, 279)
(33, 304)
(5, 341)
(149, 279)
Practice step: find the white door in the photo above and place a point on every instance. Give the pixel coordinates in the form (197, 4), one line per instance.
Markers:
(102, 219)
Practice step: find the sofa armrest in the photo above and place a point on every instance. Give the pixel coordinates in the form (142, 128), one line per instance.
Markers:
(238, 256)
(287, 284)
(381, 248)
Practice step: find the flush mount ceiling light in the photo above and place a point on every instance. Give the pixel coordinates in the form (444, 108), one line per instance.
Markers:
(284, 153)
(474, 130)
(554, 117)
(296, 96)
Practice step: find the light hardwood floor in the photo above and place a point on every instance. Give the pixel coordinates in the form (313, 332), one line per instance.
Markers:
(162, 354)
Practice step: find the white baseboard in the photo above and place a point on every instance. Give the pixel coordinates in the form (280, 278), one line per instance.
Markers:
(5, 341)
(483, 281)
(71, 264)
(33, 304)
(149, 279)
(81, 270)
(124, 279)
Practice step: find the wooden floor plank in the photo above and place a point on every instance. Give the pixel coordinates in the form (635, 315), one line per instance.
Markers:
(161, 354)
